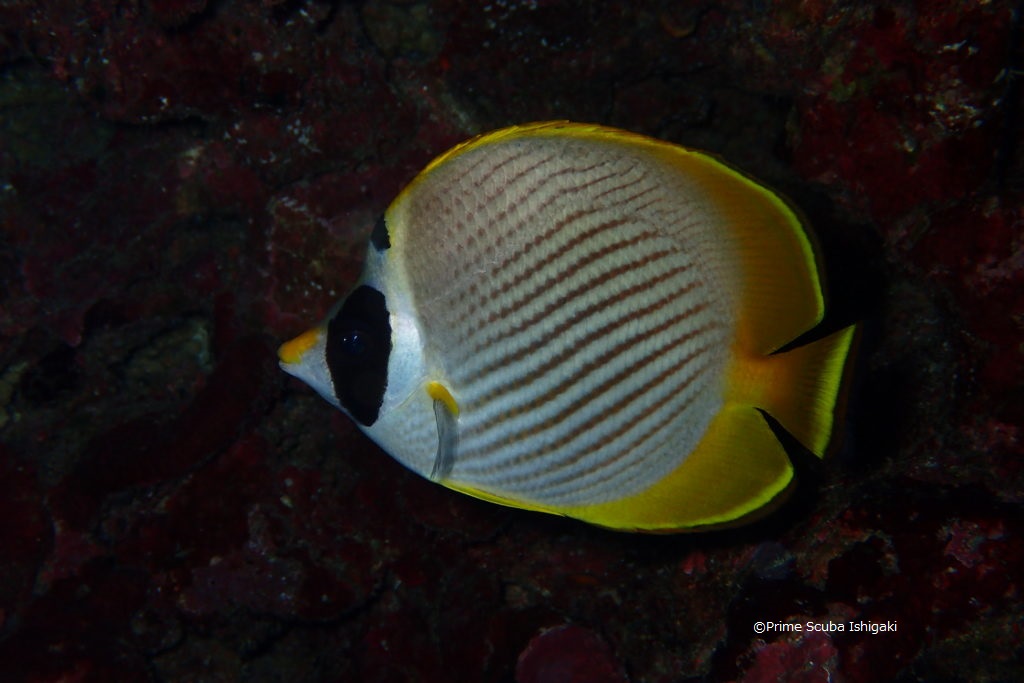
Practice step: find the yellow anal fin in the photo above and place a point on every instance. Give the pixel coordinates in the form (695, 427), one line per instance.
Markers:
(738, 468)
(801, 388)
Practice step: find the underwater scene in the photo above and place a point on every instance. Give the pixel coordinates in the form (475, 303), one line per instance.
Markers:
(512, 341)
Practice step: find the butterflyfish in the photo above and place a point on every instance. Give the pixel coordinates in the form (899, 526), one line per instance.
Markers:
(587, 322)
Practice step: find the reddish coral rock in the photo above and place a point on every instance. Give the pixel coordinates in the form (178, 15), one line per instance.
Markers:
(568, 654)
(25, 535)
(901, 103)
(187, 183)
(174, 13)
(147, 450)
(79, 629)
(810, 658)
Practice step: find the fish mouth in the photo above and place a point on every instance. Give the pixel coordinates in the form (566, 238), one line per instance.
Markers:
(291, 352)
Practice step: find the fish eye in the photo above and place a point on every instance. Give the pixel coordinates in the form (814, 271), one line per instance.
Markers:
(353, 342)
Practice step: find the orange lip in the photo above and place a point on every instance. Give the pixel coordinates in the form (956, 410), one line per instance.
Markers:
(291, 352)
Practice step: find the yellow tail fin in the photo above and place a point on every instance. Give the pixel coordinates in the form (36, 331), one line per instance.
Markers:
(801, 388)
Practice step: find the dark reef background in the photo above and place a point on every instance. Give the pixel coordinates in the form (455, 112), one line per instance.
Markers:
(186, 183)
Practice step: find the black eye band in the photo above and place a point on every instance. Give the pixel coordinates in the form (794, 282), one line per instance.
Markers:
(358, 348)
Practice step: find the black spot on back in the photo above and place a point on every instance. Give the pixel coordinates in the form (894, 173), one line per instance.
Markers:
(380, 238)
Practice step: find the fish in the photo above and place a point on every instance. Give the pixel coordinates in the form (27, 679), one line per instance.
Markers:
(583, 321)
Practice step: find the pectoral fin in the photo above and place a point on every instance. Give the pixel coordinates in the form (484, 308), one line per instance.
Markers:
(446, 411)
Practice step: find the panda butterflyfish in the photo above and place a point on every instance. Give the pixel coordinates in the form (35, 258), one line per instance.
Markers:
(582, 321)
